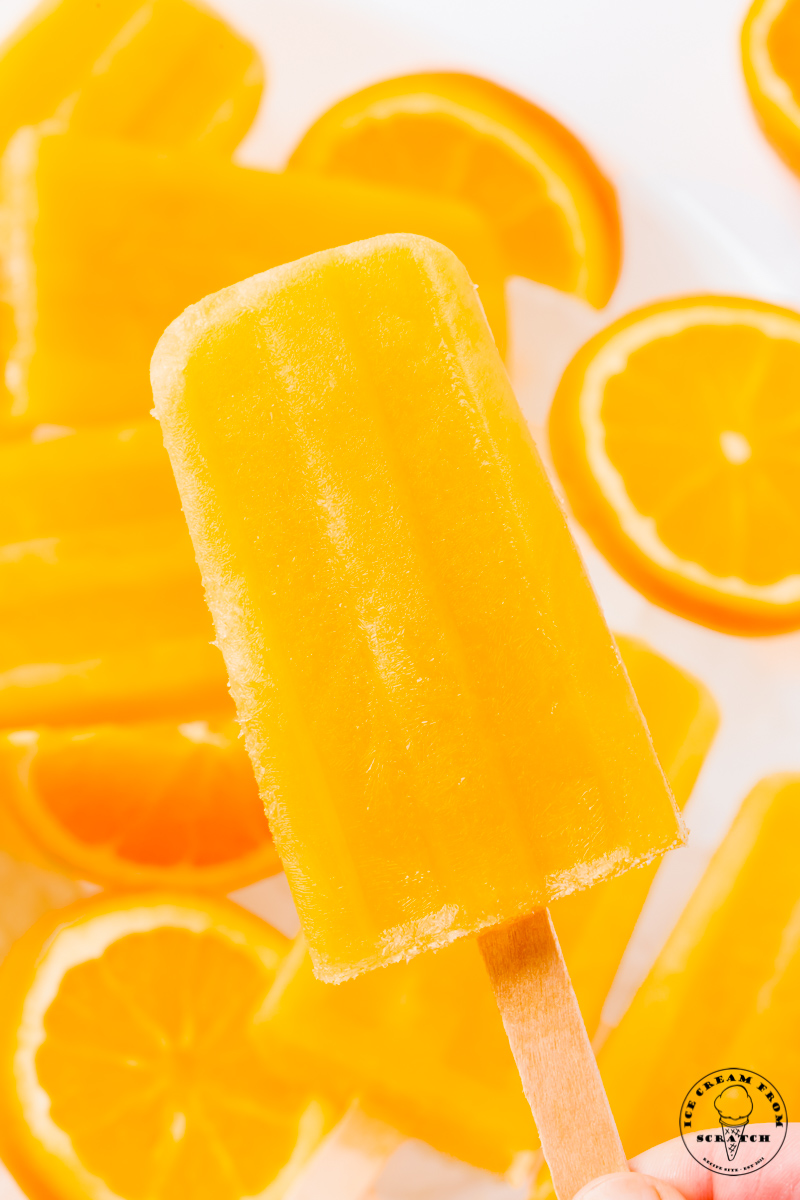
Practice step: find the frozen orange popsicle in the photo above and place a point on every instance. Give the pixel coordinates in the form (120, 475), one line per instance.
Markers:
(101, 609)
(725, 987)
(440, 724)
(595, 925)
(164, 72)
(422, 1047)
(110, 242)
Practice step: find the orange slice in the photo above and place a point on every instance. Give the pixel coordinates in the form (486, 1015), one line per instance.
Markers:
(771, 59)
(130, 1065)
(136, 806)
(676, 434)
(463, 137)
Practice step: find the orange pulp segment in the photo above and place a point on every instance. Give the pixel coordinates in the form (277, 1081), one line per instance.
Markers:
(133, 806)
(163, 72)
(771, 60)
(129, 1061)
(461, 136)
(676, 434)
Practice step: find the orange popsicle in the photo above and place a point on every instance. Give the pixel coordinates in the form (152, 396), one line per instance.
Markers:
(110, 242)
(101, 610)
(594, 926)
(724, 988)
(165, 72)
(439, 720)
(423, 675)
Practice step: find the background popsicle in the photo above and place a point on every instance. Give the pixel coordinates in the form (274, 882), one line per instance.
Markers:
(725, 987)
(102, 610)
(109, 242)
(594, 925)
(165, 73)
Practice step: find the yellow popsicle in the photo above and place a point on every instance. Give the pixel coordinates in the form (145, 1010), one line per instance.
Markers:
(724, 990)
(421, 1047)
(440, 724)
(101, 609)
(164, 72)
(594, 926)
(110, 242)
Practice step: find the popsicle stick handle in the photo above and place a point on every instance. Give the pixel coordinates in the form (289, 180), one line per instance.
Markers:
(552, 1050)
(348, 1161)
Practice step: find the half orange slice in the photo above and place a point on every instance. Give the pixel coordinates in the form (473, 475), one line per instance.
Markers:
(465, 138)
(676, 434)
(771, 60)
(136, 806)
(130, 1061)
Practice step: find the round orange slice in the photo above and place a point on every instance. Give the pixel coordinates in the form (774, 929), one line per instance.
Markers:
(676, 435)
(465, 138)
(136, 806)
(131, 1064)
(771, 59)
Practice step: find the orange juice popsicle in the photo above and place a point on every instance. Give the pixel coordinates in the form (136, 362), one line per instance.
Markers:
(724, 988)
(439, 720)
(396, 1040)
(109, 242)
(377, 539)
(165, 73)
(101, 610)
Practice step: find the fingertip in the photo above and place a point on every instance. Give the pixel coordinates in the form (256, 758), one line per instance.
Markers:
(628, 1185)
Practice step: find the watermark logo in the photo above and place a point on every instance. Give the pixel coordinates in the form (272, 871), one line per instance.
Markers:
(733, 1122)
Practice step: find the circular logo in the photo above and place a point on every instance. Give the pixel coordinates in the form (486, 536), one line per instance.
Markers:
(733, 1121)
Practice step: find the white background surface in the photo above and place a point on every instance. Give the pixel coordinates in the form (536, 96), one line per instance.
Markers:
(656, 91)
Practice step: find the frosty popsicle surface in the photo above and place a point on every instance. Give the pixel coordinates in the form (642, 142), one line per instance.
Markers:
(440, 724)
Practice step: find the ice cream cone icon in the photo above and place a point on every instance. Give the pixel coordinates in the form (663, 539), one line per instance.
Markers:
(734, 1107)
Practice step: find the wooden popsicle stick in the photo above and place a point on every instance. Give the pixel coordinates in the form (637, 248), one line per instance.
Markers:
(348, 1161)
(552, 1050)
